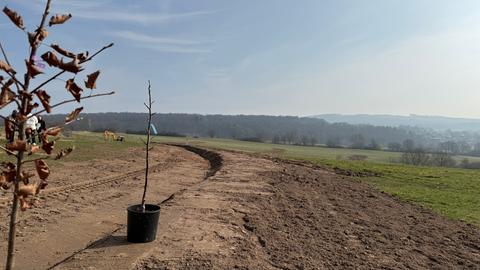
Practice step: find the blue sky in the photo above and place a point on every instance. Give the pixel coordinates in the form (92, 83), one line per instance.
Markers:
(274, 57)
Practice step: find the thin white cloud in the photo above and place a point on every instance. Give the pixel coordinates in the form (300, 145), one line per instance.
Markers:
(143, 18)
(143, 38)
(172, 48)
(162, 44)
(106, 11)
(217, 76)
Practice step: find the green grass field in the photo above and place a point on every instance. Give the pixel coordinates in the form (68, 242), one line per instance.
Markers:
(452, 192)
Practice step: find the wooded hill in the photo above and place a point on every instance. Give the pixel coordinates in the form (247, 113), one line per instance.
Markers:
(281, 129)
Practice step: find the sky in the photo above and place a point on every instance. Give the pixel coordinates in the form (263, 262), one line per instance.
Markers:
(274, 57)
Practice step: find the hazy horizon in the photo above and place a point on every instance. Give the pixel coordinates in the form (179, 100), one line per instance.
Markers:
(291, 115)
(273, 57)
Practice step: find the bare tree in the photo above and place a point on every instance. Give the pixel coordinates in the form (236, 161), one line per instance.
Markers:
(14, 175)
(417, 157)
(443, 159)
(147, 143)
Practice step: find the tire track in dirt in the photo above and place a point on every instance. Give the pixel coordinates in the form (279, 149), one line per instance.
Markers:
(77, 212)
(214, 159)
(64, 191)
(52, 192)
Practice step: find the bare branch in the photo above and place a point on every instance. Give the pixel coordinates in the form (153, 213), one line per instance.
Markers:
(8, 103)
(6, 118)
(8, 151)
(95, 54)
(17, 82)
(35, 159)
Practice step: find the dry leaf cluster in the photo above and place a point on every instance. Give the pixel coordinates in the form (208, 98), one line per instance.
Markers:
(24, 184)
(28, 100)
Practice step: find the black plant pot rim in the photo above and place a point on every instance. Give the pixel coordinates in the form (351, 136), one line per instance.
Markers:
(149, 208)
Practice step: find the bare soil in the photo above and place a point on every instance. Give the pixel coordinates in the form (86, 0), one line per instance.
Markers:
(249, 213)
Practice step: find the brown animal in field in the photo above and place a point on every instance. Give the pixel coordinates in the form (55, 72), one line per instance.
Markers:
(108, 134)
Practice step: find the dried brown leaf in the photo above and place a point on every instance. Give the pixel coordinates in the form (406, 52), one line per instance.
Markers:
(91, 79)
(28, 190)
(14, 17)
(74, 89)
(31, 106)
(72, 66)
(4, 183)
(21, 117)
(53, 131)
(64, 153)
(9, 128)
(48, 146)
(62, 51)
(73, 115)
(25, 176)
(45, 100)
(10, 172)
(59, 19)
(7, 95)
(10, 176)
(82, 56)
(17, 145)
(42, 34)
(7, 185)
(6, 67)
(51, 59)
(24, 205)
(33, 149)
(33, 70)
(42, 169)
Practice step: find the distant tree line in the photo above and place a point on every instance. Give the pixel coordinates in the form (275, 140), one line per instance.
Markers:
(276, 129)
(282, 130)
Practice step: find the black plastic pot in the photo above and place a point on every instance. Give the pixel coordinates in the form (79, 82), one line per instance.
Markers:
(142, 226)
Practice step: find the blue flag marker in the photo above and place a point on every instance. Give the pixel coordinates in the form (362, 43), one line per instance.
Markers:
(153, 129)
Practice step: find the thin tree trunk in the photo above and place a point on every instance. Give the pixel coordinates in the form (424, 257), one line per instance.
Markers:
(14, 210)
(147, 145)
(21, 136)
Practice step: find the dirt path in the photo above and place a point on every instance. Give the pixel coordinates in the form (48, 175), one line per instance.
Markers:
(254, 213)
(87, 201)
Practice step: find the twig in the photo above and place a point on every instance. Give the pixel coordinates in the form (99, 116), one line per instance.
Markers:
(6, 118)
(17, 82)
(95, 54)
(35, 159)
(8, 151)
(63, 71)
(71, 100)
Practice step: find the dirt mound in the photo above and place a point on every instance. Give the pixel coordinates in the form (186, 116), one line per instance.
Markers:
(214, 158)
